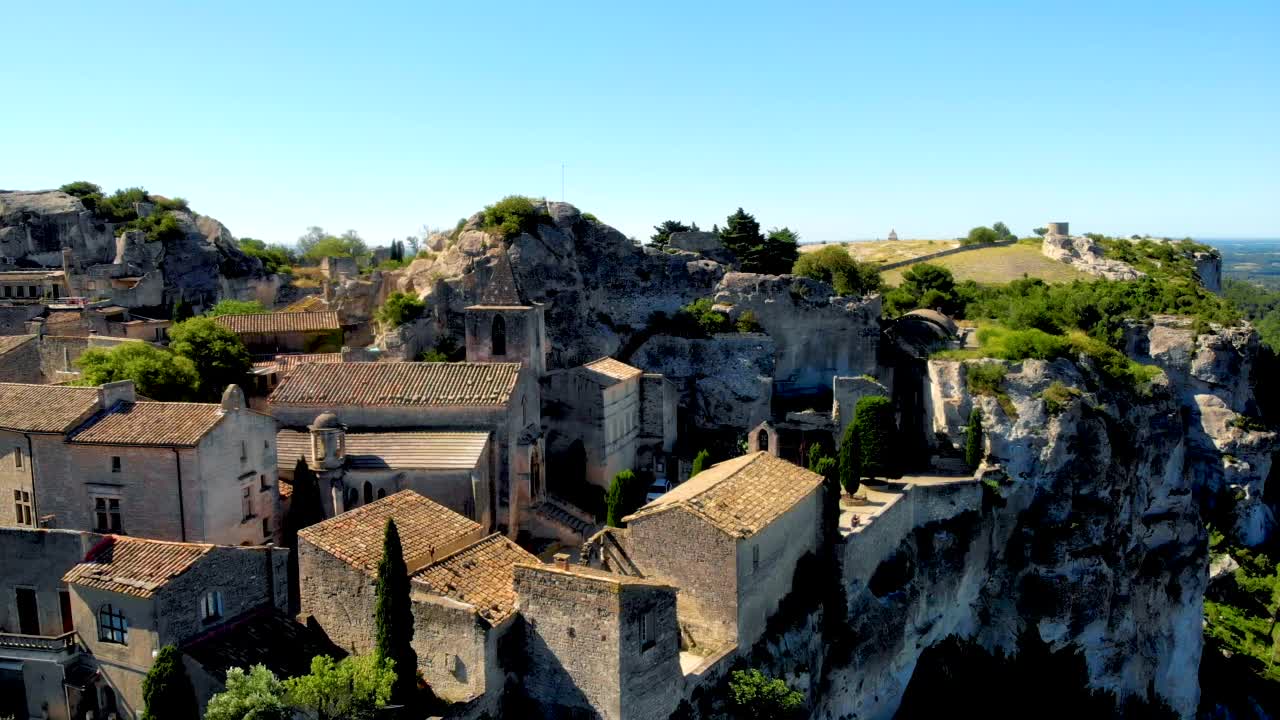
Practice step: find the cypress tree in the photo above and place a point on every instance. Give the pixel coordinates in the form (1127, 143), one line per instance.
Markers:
(973, 439)
(393, 618)
(305, 510)
(874, 423)
(700, 462)
(167, 693)
(850, 460)
(621, 498)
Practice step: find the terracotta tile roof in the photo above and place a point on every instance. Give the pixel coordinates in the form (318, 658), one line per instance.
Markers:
(427, 450)
(610, 371)
(398, 383)
(45, 408)
(150, 423)
(287, 362)
(310, 303)
(12, 342)
(278, 322)
(479, 575)
(134, 566)
(262, 637)
(426, 528)
(740, 496)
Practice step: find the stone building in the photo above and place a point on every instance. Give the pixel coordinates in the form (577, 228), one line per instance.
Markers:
(729, 538)
(370, 397)
(502, 326)
(98, 459)
(462, 592)
(20, 287)
(286, 332)
(130, 597)
(597, 644)
(453, 468)
(597, 405)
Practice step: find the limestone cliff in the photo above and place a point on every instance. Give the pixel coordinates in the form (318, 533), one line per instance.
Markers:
(201, 263)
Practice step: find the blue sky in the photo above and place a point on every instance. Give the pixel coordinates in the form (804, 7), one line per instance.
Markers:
(840, 120)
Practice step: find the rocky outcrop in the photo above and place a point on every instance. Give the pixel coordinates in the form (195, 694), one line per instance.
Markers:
(36, 226)
(725, 381)
(1084, 254)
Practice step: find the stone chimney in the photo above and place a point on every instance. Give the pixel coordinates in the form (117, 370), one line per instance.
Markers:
(116, 392)
(232, 398)
(561, 561)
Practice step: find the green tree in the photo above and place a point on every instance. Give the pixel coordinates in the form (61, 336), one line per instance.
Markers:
(756, 696)
(276, 259)
(252, 695)
(1003, 232)
(1041, 231)
(400, 308)
(306, 508)
(236, 307)
(701, 462)
(352, 689)
(876, 428)
(156, 373)
(625, 496)
(167, 693)
(982, 234)
(776, 255)
(662, 233)
(850, 469)
(316, 244)
(219, 356)
(973, 439)
(393, 618)
(834, 264)
(924, 286)
(182, 310)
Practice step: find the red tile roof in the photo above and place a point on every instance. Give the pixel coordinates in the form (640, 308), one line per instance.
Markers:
(611, 371)
(45, 408)
(426, 529)
(280, 322)
(134, 566)
(150, 423)
(398, 383)
(480, 574)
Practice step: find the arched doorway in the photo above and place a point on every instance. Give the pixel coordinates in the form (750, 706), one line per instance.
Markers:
(762, 440)
(498, 336)
(536, 486)
(368, 492)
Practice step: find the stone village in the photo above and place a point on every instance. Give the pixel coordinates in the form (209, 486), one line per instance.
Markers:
(138, 524)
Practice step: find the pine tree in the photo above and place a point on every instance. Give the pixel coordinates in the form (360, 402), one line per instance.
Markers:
(973, 439)
(741, 234)
(393, 619)
(850, 460)
(700, 462)
(874, 424)
(167, 693)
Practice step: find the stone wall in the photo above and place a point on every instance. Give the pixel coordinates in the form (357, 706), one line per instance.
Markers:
(779, 547)
(21, 364)
(681, 549)
(457, 651)
(526, 340)
(14, 318)
(338, 596)
(846, 392)
(37, 559)
(658, 400)
(247, 577)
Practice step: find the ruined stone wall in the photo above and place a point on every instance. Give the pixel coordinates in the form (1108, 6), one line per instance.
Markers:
(247, 577)
(14, 318)
(338, 596)
(58, 354)
(658, 400)
(683, 550)
(37, 559)
(453, 646)
(779, 546)
(723, 381)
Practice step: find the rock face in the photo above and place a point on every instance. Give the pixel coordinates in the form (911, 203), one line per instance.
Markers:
(725, 381)
(201, 266)
(1084, 254)
(1209, 269)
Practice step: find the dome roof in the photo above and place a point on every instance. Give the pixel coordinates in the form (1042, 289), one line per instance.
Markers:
(326, 420)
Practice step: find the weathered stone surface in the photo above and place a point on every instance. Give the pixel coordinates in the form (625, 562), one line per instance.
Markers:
(724, 381)
(1084, 254)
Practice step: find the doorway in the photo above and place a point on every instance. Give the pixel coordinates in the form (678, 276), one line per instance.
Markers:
(28, 613)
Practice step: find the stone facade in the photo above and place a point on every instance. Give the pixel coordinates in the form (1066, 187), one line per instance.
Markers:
(500, 333)
(605, 417)
(597, 644)
(846, 392)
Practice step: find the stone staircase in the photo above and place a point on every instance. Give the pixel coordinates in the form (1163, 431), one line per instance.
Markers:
(565, 521)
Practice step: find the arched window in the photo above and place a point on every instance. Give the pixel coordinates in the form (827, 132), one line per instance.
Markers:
(112, 625)
(381, 493)
(211, 606)
(535, 473)
(498, 336)
(351, 499)
(762, 440)
(368, 492)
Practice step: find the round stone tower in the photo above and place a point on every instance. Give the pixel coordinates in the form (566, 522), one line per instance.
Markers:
(1059, 228)
(328, 446)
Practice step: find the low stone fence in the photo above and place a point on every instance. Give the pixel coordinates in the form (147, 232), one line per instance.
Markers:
(944, 253)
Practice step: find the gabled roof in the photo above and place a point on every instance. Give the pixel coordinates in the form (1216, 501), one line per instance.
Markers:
(9, 343)
(310, 303)
(426, 450)
(739, 496)
(287, 362)
(279, 322)
(166, 424)
(261, 637)
(427, 529)
(134, 566)
(45, 408)
(608, 371)
(480, 574)
(398, 384)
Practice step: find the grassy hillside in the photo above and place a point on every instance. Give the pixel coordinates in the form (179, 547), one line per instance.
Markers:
(887, 251)
(1000, 265)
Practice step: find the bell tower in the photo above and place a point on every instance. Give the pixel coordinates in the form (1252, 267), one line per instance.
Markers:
(502, 326)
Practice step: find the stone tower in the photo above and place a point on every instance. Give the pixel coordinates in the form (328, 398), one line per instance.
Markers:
(1059, 228)
(893, 234)
(501, 326)
(328, 457)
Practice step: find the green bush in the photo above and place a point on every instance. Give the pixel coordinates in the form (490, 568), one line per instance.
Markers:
(924, 286)
(219, 356)
(513, 215)
(701, 462)
(236, 307)
(1058, 396)
(876, 428)
(980, 235)
(747, 323)
(756, 696)
(625, 495)
(698, 319)
(276, 259)
(834, 264)
(120, 206)
(156, 373)
(173, 203)
(973, 440)
(167, 693)
(400, 308)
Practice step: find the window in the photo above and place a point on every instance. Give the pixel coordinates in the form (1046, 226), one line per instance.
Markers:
(648, 630)
(381, 493)
(17, 457)
(244, 451)
(22, 507)
(263, 485)
(498, 336)
(64, 607)
(107, 511)
(266, 528)
(368, 492)
(755, 558)
(22, 290)
(112, 626)
(246, 504)
(115, 463)
(211, 606)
